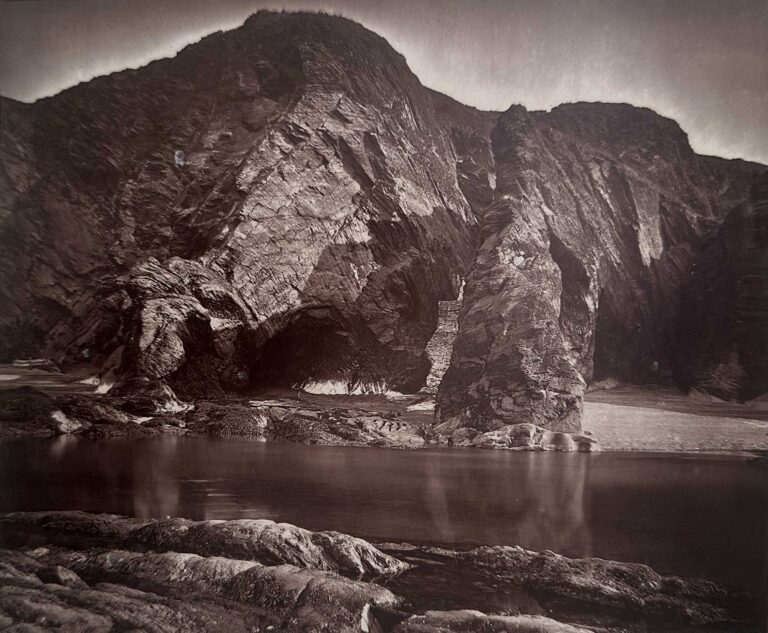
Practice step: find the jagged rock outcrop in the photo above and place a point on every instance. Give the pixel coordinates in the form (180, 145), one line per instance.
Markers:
(286, 204)
(440, 346)
(614, 585)
(591, 235)
(275, 204)
(517, 437)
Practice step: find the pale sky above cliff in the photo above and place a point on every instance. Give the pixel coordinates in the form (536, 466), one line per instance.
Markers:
(701, 62)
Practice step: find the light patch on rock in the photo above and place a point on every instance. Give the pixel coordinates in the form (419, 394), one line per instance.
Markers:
(649, 238)
(175, 407)
(426, 405)
(218, 323)
(325, 387)
(105, 386)
(605, 384)
(396, 395)
(7, 377)
(342, 387)
(266, 403)
(63, 424)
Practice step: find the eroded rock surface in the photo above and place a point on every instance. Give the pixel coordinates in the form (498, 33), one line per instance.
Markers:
(591, 235)
(723, 328)
(275, 204)
(286, 205)
(467, 620)
(283, 597)
(108, 573)
(622, 586)
(527, 437)
(245, 539)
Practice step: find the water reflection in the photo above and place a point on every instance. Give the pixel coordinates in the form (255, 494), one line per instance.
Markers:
(156, 491)
(698, 516)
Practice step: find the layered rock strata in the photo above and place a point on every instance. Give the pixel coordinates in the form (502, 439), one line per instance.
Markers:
(275, 204)
(722, 334)
(440, 346)
(592, 233)
(264, 541)
(285, 204)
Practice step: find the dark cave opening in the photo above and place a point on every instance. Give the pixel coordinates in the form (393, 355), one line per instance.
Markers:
(318, 344)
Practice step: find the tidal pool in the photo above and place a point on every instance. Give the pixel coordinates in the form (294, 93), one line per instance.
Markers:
(690, 515)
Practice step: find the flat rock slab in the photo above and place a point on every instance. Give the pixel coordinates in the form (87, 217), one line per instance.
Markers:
(255, 540)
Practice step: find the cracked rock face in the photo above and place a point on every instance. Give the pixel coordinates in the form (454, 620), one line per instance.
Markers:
(278, 204)
(286, 205)
(591, 235)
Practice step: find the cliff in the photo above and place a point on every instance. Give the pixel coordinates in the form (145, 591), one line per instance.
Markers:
(275, 204)
(594, 229)
(285, 204)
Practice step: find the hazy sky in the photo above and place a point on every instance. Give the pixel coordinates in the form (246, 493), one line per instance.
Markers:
(701, 62)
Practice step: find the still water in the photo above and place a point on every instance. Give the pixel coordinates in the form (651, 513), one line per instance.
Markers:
(687, 515)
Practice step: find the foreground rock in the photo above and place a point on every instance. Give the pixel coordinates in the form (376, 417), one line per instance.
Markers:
(107, 573)
(590, 592)
(245, 539)
(625, 587)
(456, 621)
(189, 593)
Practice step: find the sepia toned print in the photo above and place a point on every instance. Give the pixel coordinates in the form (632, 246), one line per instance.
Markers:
(419, 316)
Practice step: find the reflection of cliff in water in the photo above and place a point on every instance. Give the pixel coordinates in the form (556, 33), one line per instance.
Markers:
(156, 488)
(673, 513)
(537, 502)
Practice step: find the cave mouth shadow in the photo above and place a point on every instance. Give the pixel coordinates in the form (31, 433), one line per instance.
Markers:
(318, 344)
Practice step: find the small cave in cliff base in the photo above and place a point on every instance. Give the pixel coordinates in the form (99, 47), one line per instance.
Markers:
(318, 349)
(314, 345)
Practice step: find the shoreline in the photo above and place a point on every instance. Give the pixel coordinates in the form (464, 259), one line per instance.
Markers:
(626, 419)
(739, 454)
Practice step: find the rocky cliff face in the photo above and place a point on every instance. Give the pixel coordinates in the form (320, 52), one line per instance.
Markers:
(722, 338)
(591, 235)
(276, 204)
(286, 204)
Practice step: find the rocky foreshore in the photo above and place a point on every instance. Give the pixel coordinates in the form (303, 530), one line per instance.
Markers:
(72, 571)
(397, 422)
